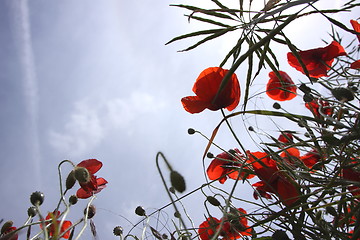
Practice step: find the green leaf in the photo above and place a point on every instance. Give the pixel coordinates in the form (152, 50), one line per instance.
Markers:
(211, 12)
(208, 21)
(194, 34)
(213, 36)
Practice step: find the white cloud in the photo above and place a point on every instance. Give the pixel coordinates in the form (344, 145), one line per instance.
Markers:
(91, 122)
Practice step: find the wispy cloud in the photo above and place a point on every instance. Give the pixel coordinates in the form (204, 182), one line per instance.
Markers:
(22, 34)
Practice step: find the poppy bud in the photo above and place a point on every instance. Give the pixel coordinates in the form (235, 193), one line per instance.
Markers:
(172, 190)
(91, 212)
(305, 89)
(276, 105)
(37, 198)
(213, 201)
(164, 236)
(280, 235)
(73, 199)
(70, 180)
(251, 129)
(177, 181)
(6, 226)
(140, 211)
(118, 231)
(177, 214)
(331, 210)
(308, 98)
(31, 212)
(82, 174)
(210, 155)
(343, 94)
(191, 131)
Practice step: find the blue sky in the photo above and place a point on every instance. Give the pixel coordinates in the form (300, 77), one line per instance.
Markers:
(87, 80)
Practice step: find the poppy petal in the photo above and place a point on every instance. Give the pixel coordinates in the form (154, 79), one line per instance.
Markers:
(193, 104)
(355, 65)
(92, 165)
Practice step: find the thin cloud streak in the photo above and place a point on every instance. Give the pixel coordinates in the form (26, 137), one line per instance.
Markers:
(22, 34)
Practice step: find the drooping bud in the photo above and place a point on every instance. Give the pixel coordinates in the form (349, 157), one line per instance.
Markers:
(191, 131)
(177, 181)
(70, 180)
(276, 105)
(140, 211)
(6, 226)
(91, 212)
(213, 201)
(305, 89)
(31, 212)
(210, 155)
(177, 214)
(172, 190)
(280, 235)
(82, 174)
(343, 94)
(37, 198)
(331, 210)
(118, 231)
(73, 199)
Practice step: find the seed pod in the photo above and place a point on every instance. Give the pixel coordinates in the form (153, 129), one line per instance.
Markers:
(31, 212)
(118, 231)
(70, 180)
(73, 199)
(140, 211)
(213, 201)
(343, 94)
(37, 198)
(82, 174)
(276, 105)
(91, 212)
(177, 181)
(191, 131)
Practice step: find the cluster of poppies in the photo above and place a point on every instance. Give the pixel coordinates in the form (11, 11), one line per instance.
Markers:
(232, 226)
(216, 88)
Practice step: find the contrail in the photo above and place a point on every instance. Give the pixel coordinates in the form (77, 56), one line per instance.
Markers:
(22, 34)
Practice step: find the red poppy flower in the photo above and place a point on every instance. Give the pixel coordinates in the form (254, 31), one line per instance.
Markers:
(206, 89)
(290, 155)
(208, 228)
(317, 61)
(286, 137)
(355, 65)
(7, 231)
(92, 185)
(236, 224)
(352, 174)
(280, 89)
(317, 105)
(54, 227)
(276, 181)
(356, 27)
(225, 166)
(311, 158)
(262, 190)
(99, 185)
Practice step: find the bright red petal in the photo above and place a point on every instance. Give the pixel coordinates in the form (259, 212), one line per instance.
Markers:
(215, 170)
(81, 193)
(280, 89)
(208, 228)
(64, 227)
(92, 165)
(193, 104)
(355, 65)
(287, 191)
(356, 27)
(334, 50)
